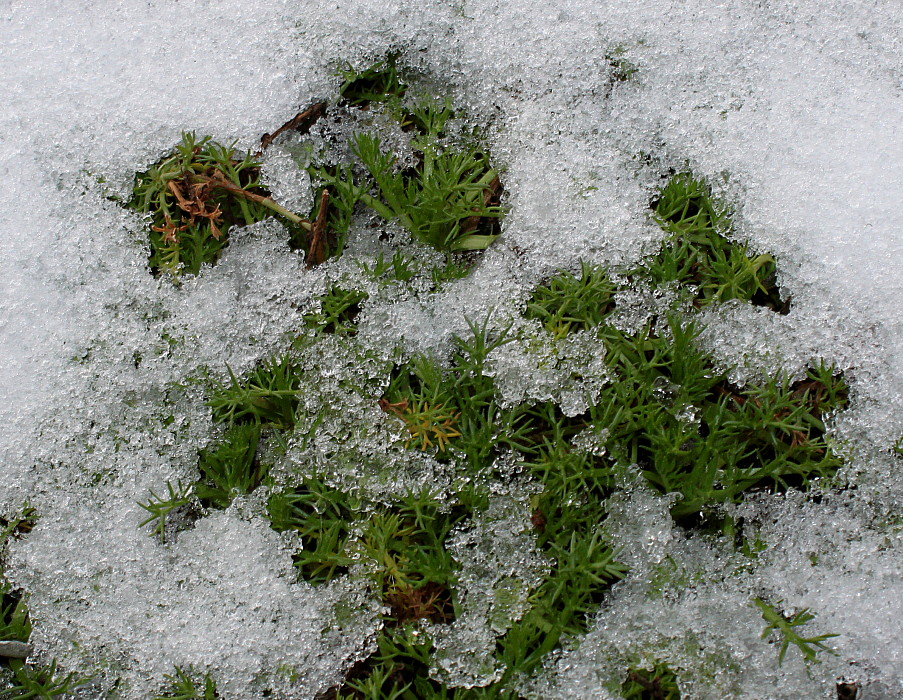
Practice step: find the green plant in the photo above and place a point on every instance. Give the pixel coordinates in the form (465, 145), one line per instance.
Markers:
(401, 549)
(338, 309)
(194, 196)
(786, 626)
(20, 680)
(455, 267)
(398, 269)
(455, 408)
(377, 83)
(698, 255)
(232, 468)
(21, 522)
(39, 682)
(567, 517)
(183, 687)
(323, 518)
(657, 683)
(268, 396)
(670, 411)
(445, 200)
(332, 214)
(161, 508)
(14, 622)
(399, 670)
(570, 303)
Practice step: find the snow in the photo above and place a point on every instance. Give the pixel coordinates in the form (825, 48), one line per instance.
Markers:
(792, 111)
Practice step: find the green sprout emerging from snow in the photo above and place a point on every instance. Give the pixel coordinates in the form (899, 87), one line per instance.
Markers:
(786, 627)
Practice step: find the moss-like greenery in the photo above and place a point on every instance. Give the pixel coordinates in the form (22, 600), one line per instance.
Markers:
(380, 82)
(673, 413)
(657, 683)
(267, 396)
(195, 195)
(449, 200)
(785, 626)
(183, 687)
(338, 310)
(698, 254)
(667, 411)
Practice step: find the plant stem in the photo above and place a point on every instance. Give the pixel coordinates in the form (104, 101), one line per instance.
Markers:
(224, 184)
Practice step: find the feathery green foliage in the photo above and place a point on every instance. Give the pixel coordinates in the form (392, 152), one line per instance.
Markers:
(698, 256)
(673, 413)
(161, 508)
(568, 303)
(232, 468)
(195, 195)
(39, 682)
(379, 82)
(338, 309)
(657, 683)
(322, 517)
(183, 687)
(785, 626)
(268, 396)
(444, 201)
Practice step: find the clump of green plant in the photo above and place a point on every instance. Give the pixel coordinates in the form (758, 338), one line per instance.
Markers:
(698, 254)
(380, 82)
(449, 200)
(20, 523)
(692, 432)
(232, 468)
(673, 413)
(268, 396)
(454, 410)
(567, 517)
(195, 195)
(323, 517)
(446, 200)
(14, 622)
(567, 514)
(401, 545)
(338, 310)
(399, 269)
(183, 687)
(29, 681)
(18, 678)
(785, 627)
(400, 549)
(657, 683)
(568, 303)
(265, 400)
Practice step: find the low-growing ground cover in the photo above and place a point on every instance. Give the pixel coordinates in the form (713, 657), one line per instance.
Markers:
(485, 580)
(665, 410)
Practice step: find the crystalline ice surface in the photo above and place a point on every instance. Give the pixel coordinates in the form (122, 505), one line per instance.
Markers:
(791, 112)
